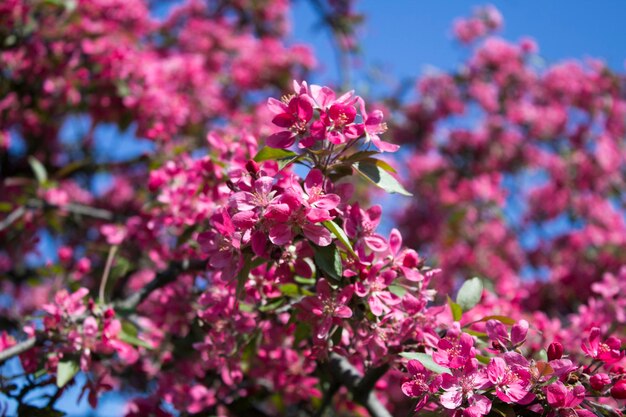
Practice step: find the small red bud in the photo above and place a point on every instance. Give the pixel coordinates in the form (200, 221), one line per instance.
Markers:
(619, 390)
(555, 351)
(252, 167)
(599, 381)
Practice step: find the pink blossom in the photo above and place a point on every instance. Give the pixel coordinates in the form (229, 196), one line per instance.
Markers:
(460, 390)
(607, 351)
(294, 116)
(512, 383)
(421, 384)
(566, 399)
(361, 224)
(329, 307)
(455, 351)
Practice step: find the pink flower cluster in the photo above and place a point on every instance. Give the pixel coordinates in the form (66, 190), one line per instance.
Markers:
(245, 271)
(485, 20)
(315, 114)
(471, 376)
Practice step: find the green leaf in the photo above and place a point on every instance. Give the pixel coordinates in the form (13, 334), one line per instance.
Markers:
(384, 165)
(542, 355)
(129, 328)
(245, 307)
(273, 154)
(481, 335)
(271, 306)
(457, 311)
(40, 171)
(282, 156)
(551, 381)
(397, 290)
(427, 361)
(380, 177)
(66, 370)
(133, 340)
(290, 290)
(360, 155)
(328, 259)
(340, 172)
(483, 359)
(470, 293)
(341, 235)
(282, 163)
(502, 319)
(305, 281)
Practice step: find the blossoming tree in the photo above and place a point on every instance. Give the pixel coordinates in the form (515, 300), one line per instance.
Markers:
(234, 268)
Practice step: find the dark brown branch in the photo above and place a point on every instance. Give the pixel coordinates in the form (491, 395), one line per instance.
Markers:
(128, 304)
(366, 385)
(343, 371)
(328, 398)
(160, 280)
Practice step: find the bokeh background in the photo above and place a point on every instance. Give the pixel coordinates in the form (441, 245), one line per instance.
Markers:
(403, 39)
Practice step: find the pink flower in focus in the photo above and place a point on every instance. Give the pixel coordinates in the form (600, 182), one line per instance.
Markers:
(328, 307)
(599, 381)
(404, 259)
(512, 383)
(374, 287)
(566, 399)
(375, 126)
(460, 390)
(293, 116)
(361, 225)
(607, 351)
(223, 244)
(422, 382)
(454, 352)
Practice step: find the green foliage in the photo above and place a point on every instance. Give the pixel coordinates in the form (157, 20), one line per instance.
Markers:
(470, 293)
(377, 174)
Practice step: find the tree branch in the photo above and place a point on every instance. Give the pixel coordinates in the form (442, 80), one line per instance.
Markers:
(18, 349)
(366, 385)
(128, 304)
(75, 208)
(343, 371)
(12, 217)
(160, 280)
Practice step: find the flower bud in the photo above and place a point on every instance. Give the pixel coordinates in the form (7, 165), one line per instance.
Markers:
(619, 390)
(519, 332)
(65, 254)
(555, 351)
(599, 381)
(252, 167)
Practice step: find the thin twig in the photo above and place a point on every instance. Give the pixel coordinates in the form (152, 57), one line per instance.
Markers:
(75, 208)
(129, 303)
(18, 349)
(12, 217)
(106, 273)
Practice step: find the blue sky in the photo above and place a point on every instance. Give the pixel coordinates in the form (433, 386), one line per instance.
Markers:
(408, 36)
